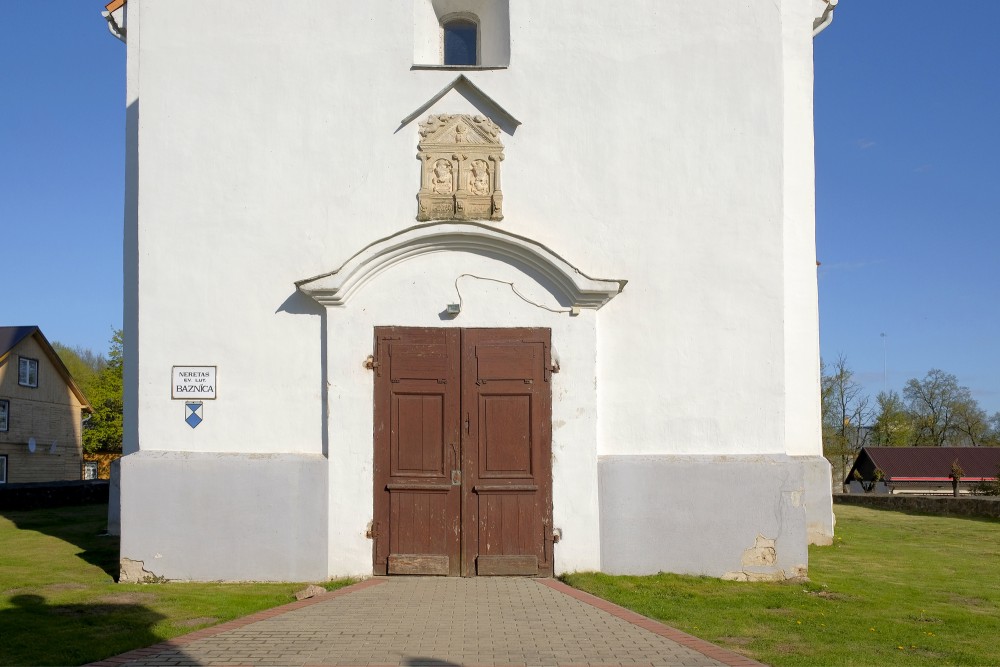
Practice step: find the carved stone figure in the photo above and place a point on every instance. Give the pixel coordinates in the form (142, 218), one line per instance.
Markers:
(479, 178)
(460, 157)
(442, 180)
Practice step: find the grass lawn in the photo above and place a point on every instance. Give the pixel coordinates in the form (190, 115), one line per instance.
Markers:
(60, 605)
(894, 589)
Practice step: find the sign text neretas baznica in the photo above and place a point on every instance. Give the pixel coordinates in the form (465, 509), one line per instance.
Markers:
(193, 382)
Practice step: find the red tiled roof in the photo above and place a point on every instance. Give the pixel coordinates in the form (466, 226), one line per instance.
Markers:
(934, 463)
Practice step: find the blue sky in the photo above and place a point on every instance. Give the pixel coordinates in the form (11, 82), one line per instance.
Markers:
(908, 184)
(62, 143)
(908, 191)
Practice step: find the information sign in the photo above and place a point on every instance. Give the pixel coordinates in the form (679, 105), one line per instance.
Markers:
(193, 382)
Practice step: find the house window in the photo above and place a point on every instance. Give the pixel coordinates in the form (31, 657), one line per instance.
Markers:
(4, 415)
(27, 372)
(461, 41)
(90, 469)
(3, 468)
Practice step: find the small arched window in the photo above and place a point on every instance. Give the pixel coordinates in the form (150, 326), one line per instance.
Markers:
(461, 41)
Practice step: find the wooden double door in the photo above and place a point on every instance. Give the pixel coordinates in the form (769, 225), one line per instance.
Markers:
(463, 482)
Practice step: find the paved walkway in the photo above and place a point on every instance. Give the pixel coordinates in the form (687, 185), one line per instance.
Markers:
(439, 621)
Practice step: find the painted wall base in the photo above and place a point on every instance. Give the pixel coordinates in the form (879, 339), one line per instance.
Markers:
(735, 517)
(115, 499)
(223, 517)
(819, 499)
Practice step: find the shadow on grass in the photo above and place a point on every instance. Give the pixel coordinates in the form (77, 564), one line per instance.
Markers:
(83, 526)
(36, 633)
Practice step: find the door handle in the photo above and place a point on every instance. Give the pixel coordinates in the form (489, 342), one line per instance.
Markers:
(456, 472)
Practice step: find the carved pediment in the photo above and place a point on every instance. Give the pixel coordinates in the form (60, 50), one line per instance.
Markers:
(460, 157)
(450, 129)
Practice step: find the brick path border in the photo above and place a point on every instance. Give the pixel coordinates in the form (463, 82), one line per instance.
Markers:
(232, 625)
(724, 656)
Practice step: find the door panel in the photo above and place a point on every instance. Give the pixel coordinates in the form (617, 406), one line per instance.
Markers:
(418, 443)
(417, 446)
(505, 448)
(462, 452)
(507, 400)
(419, 543)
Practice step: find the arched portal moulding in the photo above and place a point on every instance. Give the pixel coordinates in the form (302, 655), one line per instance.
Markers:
(573, 286)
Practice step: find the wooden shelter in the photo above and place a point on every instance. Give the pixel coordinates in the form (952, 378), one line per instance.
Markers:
(923, 469)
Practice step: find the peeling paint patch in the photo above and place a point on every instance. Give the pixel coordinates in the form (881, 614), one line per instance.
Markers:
(761, 553)
(818, 535)
(797, 572)
(743, 575)
(135, 572)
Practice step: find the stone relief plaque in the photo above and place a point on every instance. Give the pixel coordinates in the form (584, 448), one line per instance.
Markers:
(460, 159)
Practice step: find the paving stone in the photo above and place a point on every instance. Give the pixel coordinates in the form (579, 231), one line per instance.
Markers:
(437, 621)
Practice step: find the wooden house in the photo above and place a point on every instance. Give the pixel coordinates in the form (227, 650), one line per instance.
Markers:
(41, 407)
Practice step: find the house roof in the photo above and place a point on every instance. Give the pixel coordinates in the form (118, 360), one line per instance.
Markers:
(920, 464)
(11, 336)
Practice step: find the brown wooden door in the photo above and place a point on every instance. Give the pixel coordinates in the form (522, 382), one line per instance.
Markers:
(506, 399)
(417, 450)
(463, 481)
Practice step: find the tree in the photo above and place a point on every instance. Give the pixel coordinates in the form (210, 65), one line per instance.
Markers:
(846, 415)
(893, 426)
(971, 423)
(944, 413)
(993, 438)
(103, 431)
(82, 364)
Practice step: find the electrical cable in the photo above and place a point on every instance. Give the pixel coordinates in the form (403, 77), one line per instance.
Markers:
(513, 289)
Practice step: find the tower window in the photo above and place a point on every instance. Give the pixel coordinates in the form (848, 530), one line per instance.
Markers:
(461, 34)
(461, 42)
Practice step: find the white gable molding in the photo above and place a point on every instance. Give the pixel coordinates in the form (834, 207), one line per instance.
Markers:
(476, 96)
(824, 14)
(575, 287)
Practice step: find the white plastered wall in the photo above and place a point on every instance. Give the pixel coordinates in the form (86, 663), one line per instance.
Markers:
(656, 146)
(803, 438)
(801, 296)
(267, 159)
(698, 366)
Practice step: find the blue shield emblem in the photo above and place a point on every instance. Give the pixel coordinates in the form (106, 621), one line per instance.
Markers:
(192, 413)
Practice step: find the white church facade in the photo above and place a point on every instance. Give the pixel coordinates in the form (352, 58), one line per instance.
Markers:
(470, 287)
